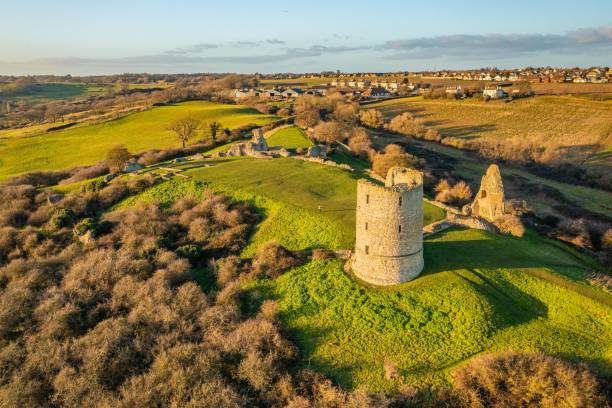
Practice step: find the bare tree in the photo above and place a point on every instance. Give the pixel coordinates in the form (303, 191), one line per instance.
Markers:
(214, 128)
(185, 129)
(327, 132)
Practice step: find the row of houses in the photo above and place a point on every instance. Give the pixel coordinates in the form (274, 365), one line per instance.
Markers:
(532, 75)
(371, 92)
(391, 86)
(278, 93)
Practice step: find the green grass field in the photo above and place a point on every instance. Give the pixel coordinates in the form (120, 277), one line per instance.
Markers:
(306, 205)
(289, 138)
(46, 92)
(138, 132)
(479, 293)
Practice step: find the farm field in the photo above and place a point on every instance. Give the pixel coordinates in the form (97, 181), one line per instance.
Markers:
(45, 92)
(138, 132)
(479, 292)
(580, 126)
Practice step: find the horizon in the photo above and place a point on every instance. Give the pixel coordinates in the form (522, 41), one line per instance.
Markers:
(278, 38)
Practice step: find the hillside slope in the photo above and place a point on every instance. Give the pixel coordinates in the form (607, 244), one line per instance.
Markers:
(138, 132)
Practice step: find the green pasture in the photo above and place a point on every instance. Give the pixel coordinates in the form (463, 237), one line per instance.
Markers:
(306, 205)
(138, 132)
(478, 293)
(290, 138)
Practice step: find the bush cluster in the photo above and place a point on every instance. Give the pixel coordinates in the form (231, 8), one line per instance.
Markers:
(458, 195)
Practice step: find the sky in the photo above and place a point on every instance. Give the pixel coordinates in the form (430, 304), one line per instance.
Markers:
(267, 36)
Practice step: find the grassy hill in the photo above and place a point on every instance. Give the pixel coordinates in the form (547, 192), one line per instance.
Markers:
(138, 132)
(306, 205)
(479, 292)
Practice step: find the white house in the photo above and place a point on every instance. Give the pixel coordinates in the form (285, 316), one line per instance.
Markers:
(454, 90)
(376, 93)
(493, 92)
(291, 93)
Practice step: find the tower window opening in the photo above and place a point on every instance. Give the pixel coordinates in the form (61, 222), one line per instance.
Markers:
(367, 199)
(366, 226)
(399, 228)
(483, 194)
(367, 249)
(400, 201)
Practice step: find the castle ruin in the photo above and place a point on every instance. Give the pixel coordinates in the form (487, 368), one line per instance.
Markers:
(489, 203)
(389, 228)
(256, 147)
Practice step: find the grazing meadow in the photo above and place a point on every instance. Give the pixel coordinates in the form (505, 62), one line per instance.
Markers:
(478, 293)
(138, 132)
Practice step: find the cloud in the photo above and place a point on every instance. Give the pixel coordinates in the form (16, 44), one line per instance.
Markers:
(588, 46)
(287, 54)
(494, 45)
(246, 44)
(194, 49)
(173, 60)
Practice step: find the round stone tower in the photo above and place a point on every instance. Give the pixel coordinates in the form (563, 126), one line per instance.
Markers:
(389, 230)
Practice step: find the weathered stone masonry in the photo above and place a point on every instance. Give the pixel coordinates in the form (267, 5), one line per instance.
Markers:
(389, 230)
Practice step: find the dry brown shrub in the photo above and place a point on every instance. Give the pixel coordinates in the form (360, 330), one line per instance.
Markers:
(442, 190)
(258, 370)
(346, 115)
(432, 135)
(527, 379)
(86, 173)
(112, 194)
(360, 142)
(372, 118)
(269, 309)
(404, 124)
(200, 230)
(328, 132)
(319, 254)
(511, 225)
(229, 268)
(461, 193)
(457, 195)
(392, 156)
(183, 204)
(578, 230)
(272, 259)
(13, 217)
(39, 178)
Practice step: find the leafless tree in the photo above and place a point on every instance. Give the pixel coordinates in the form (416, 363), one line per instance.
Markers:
(185, 129)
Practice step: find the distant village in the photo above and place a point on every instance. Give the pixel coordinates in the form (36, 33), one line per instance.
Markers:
(496, 84)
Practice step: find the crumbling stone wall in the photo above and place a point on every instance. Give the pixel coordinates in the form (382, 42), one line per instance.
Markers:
(256, 147)
(389, 228)
(490, 200)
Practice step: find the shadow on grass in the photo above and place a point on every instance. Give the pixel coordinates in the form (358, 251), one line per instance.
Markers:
(489, 251)
(466, 132)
